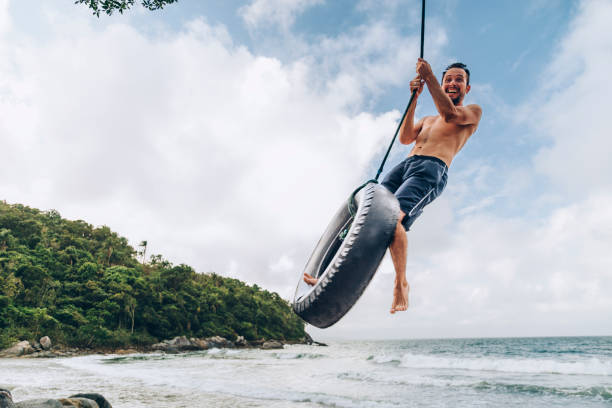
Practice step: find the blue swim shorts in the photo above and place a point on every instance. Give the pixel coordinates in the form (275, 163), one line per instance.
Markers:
(416, 182)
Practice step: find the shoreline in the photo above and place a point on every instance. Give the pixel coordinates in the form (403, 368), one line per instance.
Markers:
(179, 344)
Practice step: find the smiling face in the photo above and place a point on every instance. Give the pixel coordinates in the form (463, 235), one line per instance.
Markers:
(455, 85)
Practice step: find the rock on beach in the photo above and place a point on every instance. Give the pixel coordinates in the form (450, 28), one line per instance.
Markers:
(39, 403)
(45, 343)
(6, 399)
(98, 398)
(272, 344)
(91, 400)
(241, 342)
(20, 349)
(177, 344)
(78, 402)
(44, 347)
(182, 343)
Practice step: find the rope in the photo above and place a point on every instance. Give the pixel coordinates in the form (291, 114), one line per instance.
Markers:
(380, 169)
(351, 201)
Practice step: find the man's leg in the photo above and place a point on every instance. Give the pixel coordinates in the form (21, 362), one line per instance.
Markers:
(399, 254)
(310, 280)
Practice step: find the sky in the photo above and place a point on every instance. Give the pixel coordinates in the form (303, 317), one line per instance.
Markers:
(227, 133)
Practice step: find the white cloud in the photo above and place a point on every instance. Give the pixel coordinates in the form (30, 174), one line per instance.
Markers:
(499, 277)
(234, 162)
(5, 19)
(574, 117)
(280, 12)
(536, 6)
(221, 159)
(357, 65)
(547, 270)
(372, 57)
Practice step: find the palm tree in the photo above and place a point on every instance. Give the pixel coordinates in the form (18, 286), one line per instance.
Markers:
(143, 245)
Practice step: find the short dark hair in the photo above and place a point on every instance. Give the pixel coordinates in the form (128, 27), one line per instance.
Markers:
(457, 65)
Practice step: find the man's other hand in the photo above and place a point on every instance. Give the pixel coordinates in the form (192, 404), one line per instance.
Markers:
(416, 85)
(424, 69)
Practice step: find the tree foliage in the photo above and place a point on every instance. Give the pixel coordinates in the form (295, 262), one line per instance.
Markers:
(110, 6)
(86, 287)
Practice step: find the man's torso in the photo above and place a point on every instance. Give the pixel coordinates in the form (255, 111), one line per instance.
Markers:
(441, 139)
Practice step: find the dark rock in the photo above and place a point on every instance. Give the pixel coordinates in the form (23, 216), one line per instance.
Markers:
(99, 399)
(199, 344)
(6, 399)
(272, 344)
(308, 339)
(39, 403)
(181, 343)
(241, 342)
(78, 402)
(218, 341)
(45, 343)
(175, 345)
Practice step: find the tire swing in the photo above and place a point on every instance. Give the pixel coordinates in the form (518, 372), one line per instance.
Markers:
(352, 247)
(347, 256)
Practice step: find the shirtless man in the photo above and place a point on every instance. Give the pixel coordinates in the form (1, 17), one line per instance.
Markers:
(421, 177)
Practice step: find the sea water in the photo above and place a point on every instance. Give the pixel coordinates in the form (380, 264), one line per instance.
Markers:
(514, 372)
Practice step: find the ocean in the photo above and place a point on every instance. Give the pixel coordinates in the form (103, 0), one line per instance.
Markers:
(494, 372)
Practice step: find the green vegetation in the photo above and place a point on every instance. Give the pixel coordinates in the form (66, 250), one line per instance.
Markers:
(109, 6)
(85, 287)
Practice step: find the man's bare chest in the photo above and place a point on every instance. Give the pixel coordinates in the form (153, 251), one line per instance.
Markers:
(436, 129)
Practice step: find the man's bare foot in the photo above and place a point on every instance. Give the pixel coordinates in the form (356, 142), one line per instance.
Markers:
(310, 280)
(400, 297)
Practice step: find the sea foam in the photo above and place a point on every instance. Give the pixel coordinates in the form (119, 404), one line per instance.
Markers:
(592, 366)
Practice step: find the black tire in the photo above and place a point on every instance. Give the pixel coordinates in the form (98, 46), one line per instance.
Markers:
(344, 267)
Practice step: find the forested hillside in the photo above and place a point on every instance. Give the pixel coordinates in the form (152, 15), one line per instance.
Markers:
(84, 286)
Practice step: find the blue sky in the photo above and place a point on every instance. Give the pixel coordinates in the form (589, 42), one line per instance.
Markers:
(226, 134)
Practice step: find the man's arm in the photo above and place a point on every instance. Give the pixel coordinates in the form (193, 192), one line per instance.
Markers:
(409, 130)
(408, 134)
(463, 115)
(459, 115)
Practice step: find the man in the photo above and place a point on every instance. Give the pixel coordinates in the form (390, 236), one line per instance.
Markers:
(421, 177)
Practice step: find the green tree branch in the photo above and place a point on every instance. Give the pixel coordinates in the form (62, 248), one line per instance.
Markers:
(110, 6)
